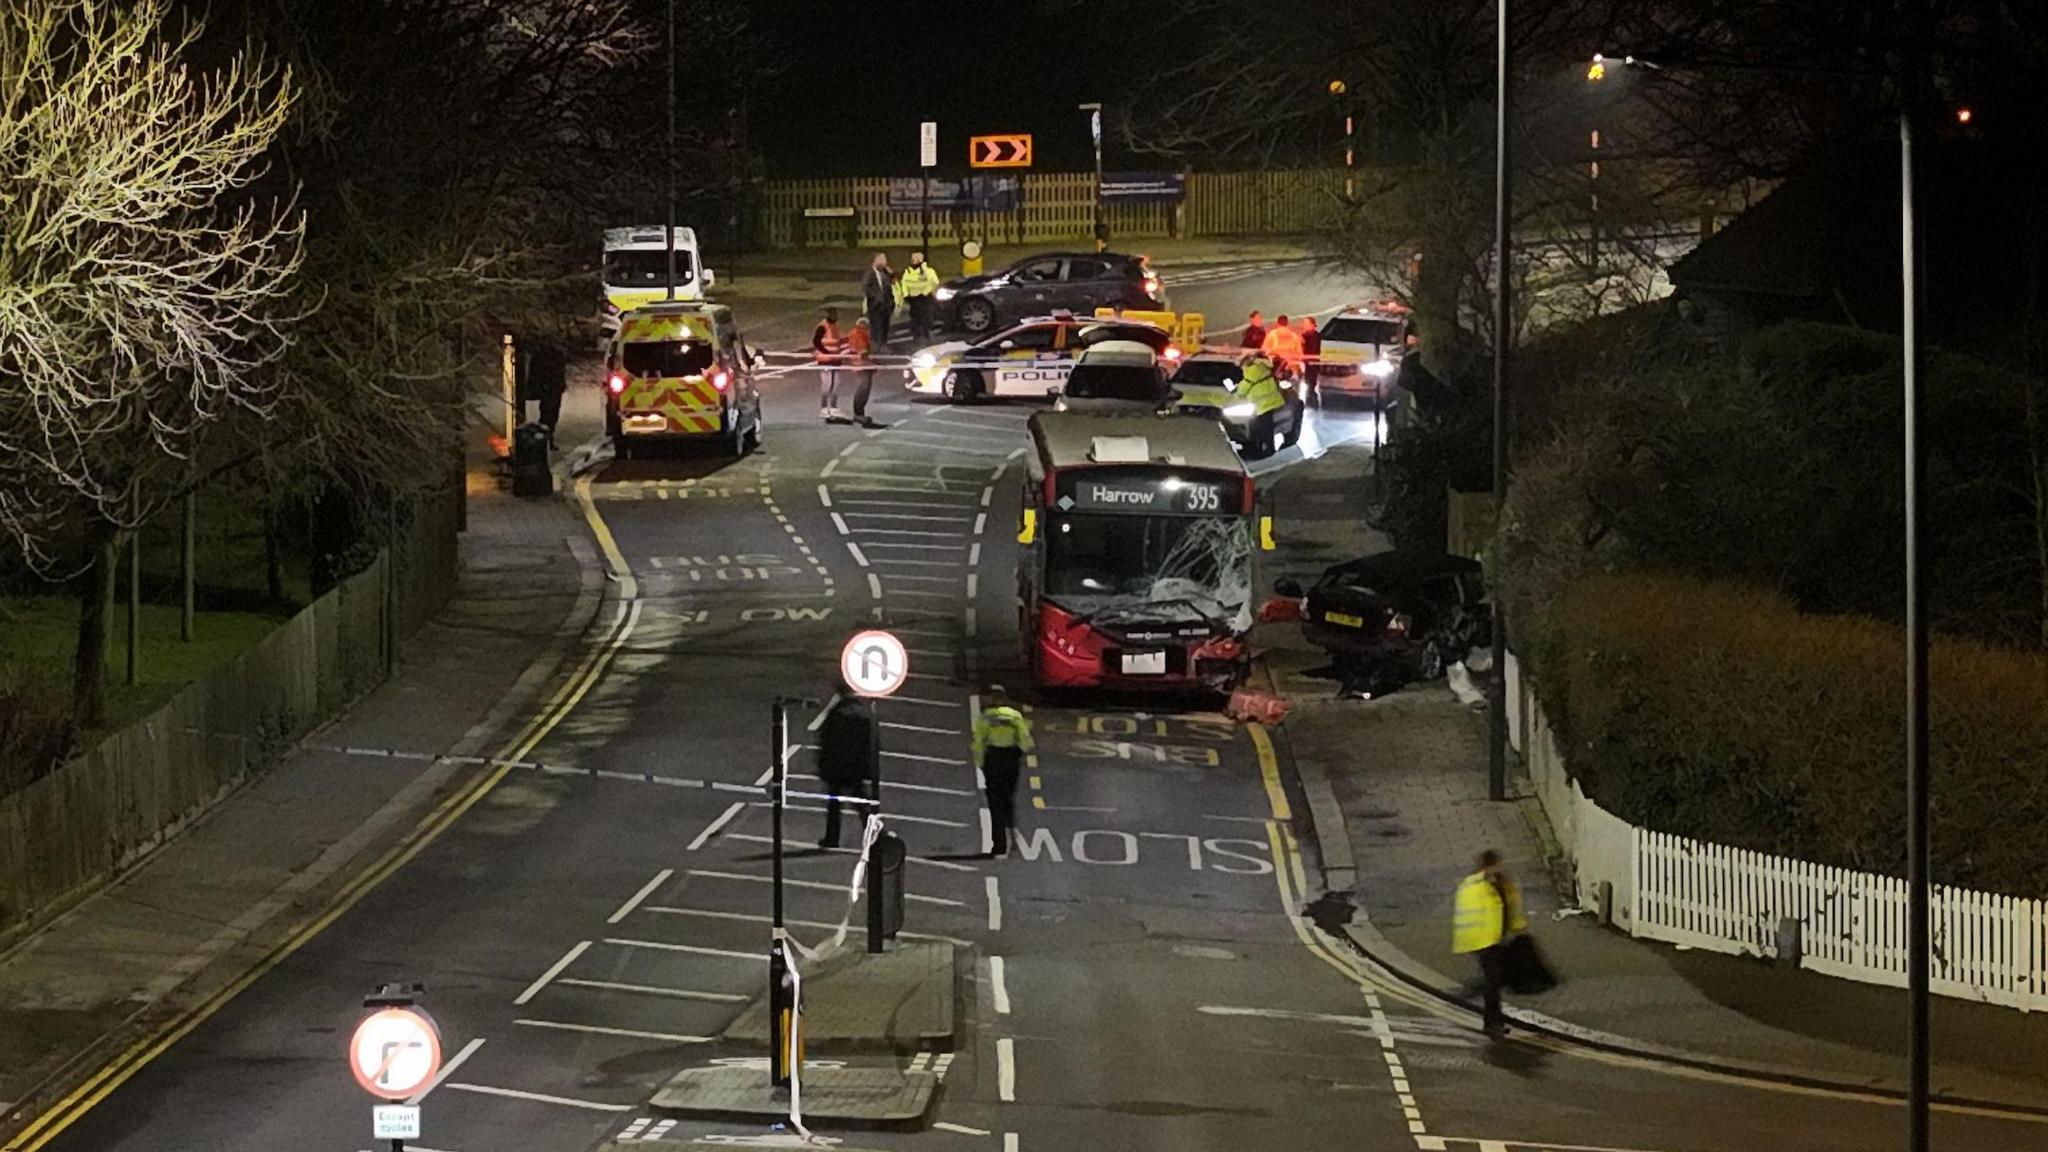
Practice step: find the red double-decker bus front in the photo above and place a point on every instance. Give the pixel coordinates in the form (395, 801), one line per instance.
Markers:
(1139, 536)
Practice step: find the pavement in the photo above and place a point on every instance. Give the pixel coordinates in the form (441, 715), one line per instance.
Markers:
(1146, 971)
(238, 888)
(1403, 779)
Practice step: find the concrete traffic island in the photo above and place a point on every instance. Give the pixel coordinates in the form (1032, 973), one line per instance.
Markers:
(904, 1000)
(871, 1097)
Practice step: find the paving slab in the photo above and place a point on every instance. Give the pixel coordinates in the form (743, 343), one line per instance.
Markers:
(873, 1097)
(906, 1000)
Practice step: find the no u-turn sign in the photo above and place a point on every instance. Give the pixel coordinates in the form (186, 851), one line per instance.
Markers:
(874, 663)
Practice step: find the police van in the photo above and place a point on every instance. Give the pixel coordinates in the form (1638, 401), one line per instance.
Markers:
(1032, 359)
(635, 270)
(680, 372)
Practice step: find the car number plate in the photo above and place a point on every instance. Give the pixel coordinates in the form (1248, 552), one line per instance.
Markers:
(1345, 618)
(1145, 663)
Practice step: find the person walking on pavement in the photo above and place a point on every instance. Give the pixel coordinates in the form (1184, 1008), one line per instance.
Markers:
(917, 284)
(1254, 332)
(1002, 738)
(1311, 359)
(1486, 914)
(846, 758)
(860, 352)
(878, 289)
(828, 348)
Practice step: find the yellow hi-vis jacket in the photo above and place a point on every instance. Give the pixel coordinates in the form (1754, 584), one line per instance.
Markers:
(1261, 387)
(917, 280)
(1481, 919)
(1001, 726)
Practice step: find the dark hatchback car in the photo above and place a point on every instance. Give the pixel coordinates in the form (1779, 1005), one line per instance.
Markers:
(1395, 616)
(1077, 282)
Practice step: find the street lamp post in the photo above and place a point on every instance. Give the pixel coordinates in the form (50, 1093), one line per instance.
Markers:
(671, 227)
(1094, 111)
(1497, 682)
(1911, 103)
(1340, 90)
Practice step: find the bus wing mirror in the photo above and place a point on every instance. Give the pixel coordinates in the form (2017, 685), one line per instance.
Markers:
(1266, 542)
(1027, 531)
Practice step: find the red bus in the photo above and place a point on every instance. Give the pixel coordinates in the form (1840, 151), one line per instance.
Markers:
(1136, 568)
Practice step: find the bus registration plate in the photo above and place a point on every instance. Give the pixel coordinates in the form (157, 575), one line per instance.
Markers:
(1145, 663)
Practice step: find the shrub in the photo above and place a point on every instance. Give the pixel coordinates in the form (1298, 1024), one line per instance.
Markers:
(1720, 712)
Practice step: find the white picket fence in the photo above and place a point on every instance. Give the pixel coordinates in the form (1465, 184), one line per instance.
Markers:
(1852, 924)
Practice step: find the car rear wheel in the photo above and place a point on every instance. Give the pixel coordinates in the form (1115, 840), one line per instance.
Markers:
(977, 316)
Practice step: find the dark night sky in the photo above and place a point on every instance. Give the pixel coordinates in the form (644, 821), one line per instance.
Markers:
(858, 77)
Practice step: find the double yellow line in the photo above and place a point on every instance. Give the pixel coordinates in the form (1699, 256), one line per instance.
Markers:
(82, 1099)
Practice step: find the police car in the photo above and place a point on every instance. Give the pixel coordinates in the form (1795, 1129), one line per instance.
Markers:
(1030, 359)
(1362, 350)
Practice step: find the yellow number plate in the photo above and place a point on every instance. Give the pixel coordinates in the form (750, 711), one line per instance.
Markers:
(1345, 618)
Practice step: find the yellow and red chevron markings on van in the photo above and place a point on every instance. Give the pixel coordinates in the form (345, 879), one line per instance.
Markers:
(689, 404)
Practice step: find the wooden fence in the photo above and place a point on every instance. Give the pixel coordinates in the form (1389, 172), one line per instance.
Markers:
(1051, 206)
(1850, 924)
(70, 831)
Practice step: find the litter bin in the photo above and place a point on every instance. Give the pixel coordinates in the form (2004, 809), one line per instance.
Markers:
(885, 889)
(530, 473)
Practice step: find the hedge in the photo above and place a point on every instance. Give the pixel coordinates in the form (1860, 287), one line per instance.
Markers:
(1718, 711)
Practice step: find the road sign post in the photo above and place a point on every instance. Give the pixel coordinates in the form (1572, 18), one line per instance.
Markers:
(927, 159)
(395, 1054)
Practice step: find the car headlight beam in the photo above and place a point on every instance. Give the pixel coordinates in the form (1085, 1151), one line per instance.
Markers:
(944, 294)
(1380, 368)
(1241, 411)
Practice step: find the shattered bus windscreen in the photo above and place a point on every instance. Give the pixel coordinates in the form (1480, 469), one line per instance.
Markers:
(1141, 566)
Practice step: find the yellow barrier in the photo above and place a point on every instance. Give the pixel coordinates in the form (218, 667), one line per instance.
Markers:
(1186, 327)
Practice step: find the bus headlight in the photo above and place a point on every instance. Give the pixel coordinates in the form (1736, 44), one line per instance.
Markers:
(1241, 411)
(1380, 368)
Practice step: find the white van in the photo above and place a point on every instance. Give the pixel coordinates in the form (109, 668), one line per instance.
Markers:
(635, 271)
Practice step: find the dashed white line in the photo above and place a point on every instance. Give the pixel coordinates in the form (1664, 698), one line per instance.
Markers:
(859, 557)
(712, 829)
(567, 959)
(995, 905)
(839, 522)
(824, 496)
(875, 585)
(539, 1097)
(988, 494)
(970, 620)
(1009, 1142)
(974, 555)
(1006, 1069)
(626, 909)
(973, 584)
(980, 522)
(964, 1130)
(830, 466)
(999, 985)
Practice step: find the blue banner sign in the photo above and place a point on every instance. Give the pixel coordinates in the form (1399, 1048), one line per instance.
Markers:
(973, 194)
(1144, 186)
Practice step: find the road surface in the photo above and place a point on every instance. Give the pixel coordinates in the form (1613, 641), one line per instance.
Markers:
(1142, 979)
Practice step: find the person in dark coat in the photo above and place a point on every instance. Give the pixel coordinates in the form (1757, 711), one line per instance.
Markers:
(846, 758)
(878, 291)
(1312, 353)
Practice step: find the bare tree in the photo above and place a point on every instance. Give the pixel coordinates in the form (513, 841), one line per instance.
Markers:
(141, 288)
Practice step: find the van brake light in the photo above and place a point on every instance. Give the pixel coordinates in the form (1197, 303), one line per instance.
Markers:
(720, 379)
(617, 383)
